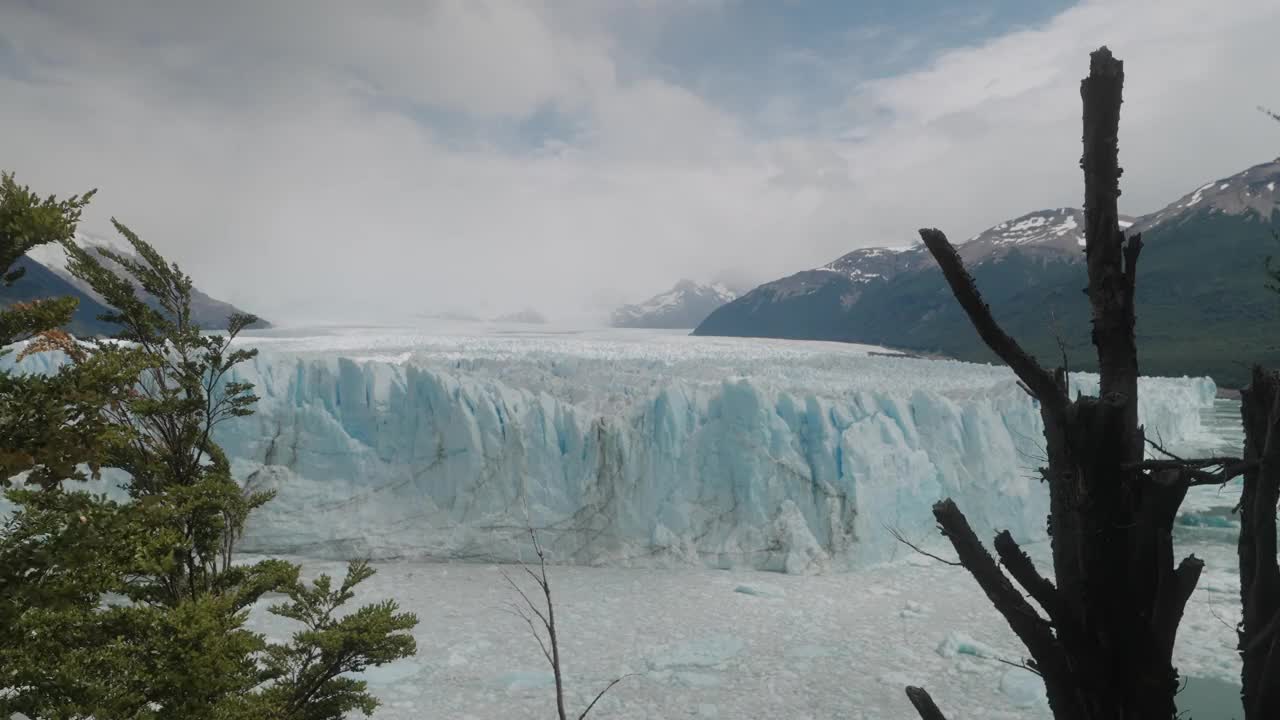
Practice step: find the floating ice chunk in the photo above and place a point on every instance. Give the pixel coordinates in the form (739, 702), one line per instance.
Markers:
(958, 643)
(913, 609)
(1023, 688)
(758, 589)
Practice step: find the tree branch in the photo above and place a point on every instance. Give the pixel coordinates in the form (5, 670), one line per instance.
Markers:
(1173, 592)
(1190, 464)
(897, 535)
(601, 694)
(1193, 473)
(1026, 623)
(1038, 380)
(1024, 571)
(924, 704)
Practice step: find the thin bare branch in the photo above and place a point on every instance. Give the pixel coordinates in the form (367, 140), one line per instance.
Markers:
(600, 694)
(515, 610)
(1177, 463)
(1194, 473)
(1024, 665)
(525, 597)
(897, 535)
(1158, 446)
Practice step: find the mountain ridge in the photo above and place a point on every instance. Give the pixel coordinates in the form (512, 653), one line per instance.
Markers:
(1030, 271)
(684, 306)
(49, 264)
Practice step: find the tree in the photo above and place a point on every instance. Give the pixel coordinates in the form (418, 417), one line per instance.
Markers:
(135, 608)
(51, 424)
(1259, 629)
(26, 222)
(1102, 638)
(540, 616)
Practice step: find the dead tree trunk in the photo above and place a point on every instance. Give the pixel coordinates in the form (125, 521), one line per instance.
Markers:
(1103, 635)
(1259, 631)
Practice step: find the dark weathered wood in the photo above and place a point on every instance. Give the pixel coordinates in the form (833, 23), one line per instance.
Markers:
(1105, 648)
(924, 704)
(1259, 631)
(1038, 381)
(1111, 284)
(1024, 571)
(1033, 630)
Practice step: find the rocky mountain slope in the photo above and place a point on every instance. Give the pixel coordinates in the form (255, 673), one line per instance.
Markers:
(1202, 304)
(683, 306)
(47, 276)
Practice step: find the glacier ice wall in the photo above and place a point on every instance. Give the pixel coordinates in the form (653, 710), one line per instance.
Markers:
(796, 458)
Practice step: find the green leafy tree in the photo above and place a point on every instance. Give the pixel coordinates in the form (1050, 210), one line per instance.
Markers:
(28, 221)
(132, 607)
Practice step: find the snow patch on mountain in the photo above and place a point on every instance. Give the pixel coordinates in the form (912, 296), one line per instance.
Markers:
(876, 263)
(683, 306)
(1057, 231)
(1250, 192)
(208, 312)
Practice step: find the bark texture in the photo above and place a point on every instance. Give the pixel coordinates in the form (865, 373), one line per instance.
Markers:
(1102, 637)
(1259, 631)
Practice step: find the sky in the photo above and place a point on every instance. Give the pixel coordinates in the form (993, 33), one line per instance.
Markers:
(323, 160)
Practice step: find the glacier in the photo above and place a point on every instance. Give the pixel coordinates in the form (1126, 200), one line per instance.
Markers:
(637, 447)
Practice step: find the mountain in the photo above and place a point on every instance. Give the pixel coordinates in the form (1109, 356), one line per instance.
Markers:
(47, 276)
(824, 303)
(683, 306)
(39, 282)
(1202, 305)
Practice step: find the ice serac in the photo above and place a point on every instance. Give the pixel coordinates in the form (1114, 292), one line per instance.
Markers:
(799, 462)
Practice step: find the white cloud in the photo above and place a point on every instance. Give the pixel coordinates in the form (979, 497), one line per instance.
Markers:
(291, 156)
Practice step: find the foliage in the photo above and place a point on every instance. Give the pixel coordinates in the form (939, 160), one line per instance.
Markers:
(27, 221)
(308, 673)
(132, 606)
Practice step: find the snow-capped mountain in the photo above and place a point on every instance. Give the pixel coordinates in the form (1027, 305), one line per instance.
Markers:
(683, 306)
(1056, 231)
(1201, 281)
(1044, 233)
(880, 263)
(208, 312)
(1252, 193)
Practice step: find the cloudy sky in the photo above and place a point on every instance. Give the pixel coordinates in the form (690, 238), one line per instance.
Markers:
(324, 159)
